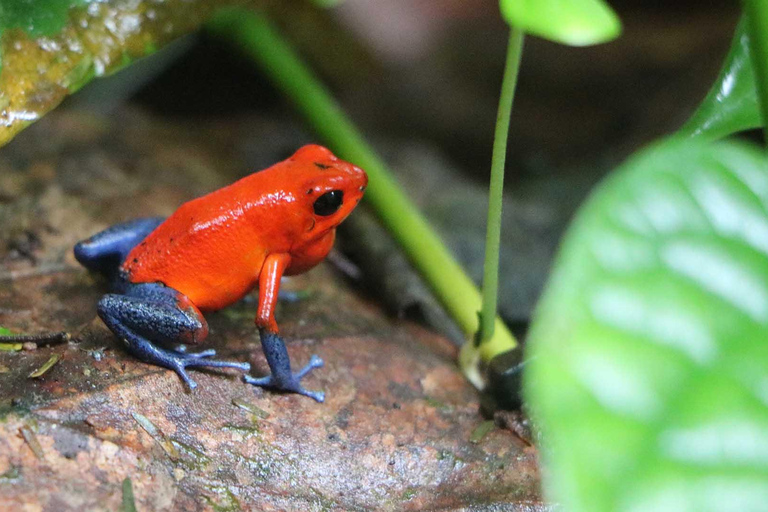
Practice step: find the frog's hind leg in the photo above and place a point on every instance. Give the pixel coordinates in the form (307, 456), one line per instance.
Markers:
(105, 251)
(152, 313)
(282, 378)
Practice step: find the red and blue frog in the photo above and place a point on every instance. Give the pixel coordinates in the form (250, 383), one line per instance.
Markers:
(212, 251)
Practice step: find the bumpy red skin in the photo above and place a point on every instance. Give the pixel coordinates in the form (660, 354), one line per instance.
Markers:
(216, 248)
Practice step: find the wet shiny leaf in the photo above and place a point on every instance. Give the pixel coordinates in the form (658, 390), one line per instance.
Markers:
(571, 22)
(648, 354)
(38, 18)
(731, 105)
(51, 48)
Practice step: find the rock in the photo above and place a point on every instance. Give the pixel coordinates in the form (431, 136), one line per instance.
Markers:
(394, 433)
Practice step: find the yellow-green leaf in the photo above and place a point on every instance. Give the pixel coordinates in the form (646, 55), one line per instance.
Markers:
(51, 48)
(731, 104)
(571, 22)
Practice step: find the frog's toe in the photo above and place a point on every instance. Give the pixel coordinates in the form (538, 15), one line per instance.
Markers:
(262, 382)
(317, 396)
(200, 360)
(181, 372)
(180, 363)
(291, 384)
(200, 355)
(314, 362)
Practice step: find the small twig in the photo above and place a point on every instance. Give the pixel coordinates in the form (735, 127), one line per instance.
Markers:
(155, 434)
(39, 339)
(256, 411)
(31, 439)
(38, 270)
(344, 265)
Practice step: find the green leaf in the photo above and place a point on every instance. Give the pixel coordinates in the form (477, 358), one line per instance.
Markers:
(46, 366)
(38, 18)
(649, 350)
(731, 105)
(5, 332)
(327, 3)
(571, 22)
(129, 502)
(51, 48)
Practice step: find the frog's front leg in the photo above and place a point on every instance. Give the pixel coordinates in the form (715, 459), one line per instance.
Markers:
(282, 378)
(153, 313)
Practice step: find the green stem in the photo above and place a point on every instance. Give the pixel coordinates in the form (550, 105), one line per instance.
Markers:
(254, 34)
(757, 26)
(493, 233)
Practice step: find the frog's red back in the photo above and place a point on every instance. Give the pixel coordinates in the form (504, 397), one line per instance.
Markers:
(207, 250)
(212, 248)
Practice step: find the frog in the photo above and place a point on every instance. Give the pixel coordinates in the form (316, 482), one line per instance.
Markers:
(165, 273)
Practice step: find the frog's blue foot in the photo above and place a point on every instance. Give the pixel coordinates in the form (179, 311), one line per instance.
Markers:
(282, 378)
(180, 361)
(153, 313)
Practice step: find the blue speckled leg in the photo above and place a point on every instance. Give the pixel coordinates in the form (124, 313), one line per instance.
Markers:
(151, 313)
(105, 251)
(282, 378)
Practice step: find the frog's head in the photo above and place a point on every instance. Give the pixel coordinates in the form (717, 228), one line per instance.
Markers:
(330, 188)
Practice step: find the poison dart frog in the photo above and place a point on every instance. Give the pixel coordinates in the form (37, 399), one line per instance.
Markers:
(212, 251)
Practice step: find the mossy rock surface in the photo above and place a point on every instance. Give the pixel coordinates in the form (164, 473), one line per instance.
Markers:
(394, 433)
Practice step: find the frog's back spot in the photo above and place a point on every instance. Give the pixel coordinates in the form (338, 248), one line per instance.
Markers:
(322, 166)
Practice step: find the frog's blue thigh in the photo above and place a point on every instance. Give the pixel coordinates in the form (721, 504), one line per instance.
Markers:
(105, 251)
(151, 313)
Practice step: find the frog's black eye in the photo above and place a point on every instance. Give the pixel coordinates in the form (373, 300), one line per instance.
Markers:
(328, 203)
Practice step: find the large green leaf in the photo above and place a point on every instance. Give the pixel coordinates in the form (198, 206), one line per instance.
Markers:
(649, 350)
(571, 22)
(731, 105)
(50, 48)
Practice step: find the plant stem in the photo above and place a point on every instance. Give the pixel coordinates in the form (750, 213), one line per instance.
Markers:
(254, 34)
(493, 233)
(757, 26)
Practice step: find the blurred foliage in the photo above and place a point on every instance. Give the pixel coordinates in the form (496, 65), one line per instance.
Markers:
(327, 3)
(731, 105)
(51, 48)
(648, 358)
(39, 18)
(571, 22)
